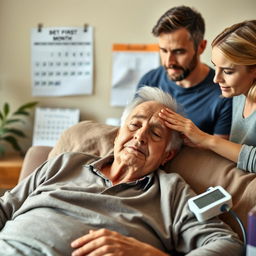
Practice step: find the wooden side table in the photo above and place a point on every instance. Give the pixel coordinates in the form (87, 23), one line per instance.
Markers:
(10, 166)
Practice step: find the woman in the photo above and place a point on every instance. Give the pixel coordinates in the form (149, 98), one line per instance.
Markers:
(234, 57)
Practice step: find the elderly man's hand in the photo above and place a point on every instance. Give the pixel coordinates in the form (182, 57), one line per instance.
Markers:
(105, 242)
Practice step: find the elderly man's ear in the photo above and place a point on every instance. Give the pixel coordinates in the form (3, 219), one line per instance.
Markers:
(168, 156)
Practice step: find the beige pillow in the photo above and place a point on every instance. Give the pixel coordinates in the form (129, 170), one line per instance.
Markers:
(200, 168)
(87, 136)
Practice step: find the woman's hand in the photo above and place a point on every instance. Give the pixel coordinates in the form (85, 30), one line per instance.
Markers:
(193, 136)
(106, 242)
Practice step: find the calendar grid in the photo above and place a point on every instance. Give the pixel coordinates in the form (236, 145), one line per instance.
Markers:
(62, 65)
(51, 122)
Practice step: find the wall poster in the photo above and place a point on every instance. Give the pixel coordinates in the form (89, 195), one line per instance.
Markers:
(130, 63)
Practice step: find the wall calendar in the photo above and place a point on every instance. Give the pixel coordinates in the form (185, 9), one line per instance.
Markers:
(62, 61)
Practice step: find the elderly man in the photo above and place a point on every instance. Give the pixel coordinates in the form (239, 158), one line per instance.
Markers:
(123, 204)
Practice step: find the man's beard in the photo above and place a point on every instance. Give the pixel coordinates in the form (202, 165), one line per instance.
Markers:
(185, 71)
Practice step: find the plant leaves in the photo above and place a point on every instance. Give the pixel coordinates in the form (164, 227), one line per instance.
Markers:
(6, 109)
(2, 131)
(21, 112)
(13, 141)
(27, 106)
(2, 150)
(8, 133)
(13, 131)
(10, 121)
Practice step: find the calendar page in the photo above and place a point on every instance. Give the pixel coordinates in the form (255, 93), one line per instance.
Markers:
(130, 63)
(62, 61)
(51, 122)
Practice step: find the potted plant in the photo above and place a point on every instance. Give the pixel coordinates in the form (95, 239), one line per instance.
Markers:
(8, 134)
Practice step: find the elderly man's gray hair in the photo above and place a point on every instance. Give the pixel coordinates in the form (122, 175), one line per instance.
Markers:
(147, 93)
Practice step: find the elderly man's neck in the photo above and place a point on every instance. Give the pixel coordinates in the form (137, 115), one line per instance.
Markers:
(120, 173)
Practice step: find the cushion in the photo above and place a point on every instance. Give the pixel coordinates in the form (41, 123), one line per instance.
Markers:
(34, 157)
(200, 168)
(87, 136)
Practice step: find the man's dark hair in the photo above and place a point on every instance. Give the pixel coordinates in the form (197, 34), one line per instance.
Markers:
(181, 17)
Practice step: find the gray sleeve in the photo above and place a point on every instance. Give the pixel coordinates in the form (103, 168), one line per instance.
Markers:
(247, 158)
(211, 238)
(11, 201)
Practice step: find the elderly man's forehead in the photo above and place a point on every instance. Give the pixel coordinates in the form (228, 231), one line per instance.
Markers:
(147, 110)
(150, 106)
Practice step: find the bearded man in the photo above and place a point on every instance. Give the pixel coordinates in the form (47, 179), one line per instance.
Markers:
(180, 34)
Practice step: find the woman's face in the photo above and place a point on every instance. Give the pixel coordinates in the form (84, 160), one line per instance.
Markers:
(232, 79)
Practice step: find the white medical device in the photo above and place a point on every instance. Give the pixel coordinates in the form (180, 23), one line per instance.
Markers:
(210, 203)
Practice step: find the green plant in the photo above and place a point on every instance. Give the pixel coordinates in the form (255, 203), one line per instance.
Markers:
(7, 119)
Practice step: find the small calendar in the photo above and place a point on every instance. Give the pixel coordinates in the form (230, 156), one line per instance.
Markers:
(51, 122)
(62, 61)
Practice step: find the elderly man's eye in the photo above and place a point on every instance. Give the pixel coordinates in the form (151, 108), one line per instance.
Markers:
(156, 134)
(133, 126)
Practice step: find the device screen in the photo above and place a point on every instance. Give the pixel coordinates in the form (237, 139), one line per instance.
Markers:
(208, 198)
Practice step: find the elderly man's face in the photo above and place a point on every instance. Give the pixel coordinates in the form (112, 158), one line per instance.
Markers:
(141, 142)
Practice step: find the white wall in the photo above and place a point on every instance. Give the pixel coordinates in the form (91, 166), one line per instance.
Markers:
(114, 21)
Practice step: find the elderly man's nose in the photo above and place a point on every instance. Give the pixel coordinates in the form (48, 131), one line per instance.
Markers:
(141, 136)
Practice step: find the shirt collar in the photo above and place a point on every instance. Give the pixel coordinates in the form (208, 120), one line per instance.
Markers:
(144, 181)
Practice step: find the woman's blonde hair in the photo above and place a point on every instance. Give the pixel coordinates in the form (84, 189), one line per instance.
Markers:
(238, 44)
